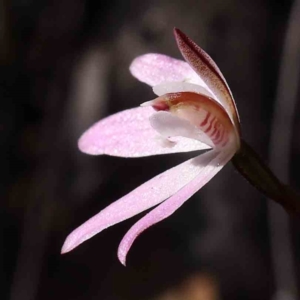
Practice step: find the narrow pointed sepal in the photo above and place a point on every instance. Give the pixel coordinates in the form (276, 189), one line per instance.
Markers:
(209, 72)
(212, 162)
(251, 166)
(147, 195)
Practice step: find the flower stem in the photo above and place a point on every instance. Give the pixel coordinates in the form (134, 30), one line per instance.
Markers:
(252, 167)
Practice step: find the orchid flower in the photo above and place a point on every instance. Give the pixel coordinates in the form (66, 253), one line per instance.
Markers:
(194, 110)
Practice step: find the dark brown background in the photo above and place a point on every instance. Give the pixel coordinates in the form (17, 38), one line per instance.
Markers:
(64, 65)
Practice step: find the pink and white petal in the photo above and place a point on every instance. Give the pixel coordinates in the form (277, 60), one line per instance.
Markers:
(176, 87)
(211, 163)
(129, 134)
(145, 196)
(169, 125)
(205, 67)
(154, 69)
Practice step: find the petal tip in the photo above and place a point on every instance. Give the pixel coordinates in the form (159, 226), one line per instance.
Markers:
(67, 247)
(81, 144)
(132, 66)
(176, 30)
(178, 34)
(122, 256)
(86, 145)
(138, 63)
(71, 242)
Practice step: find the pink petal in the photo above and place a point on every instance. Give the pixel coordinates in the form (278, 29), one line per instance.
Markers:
(154, 69)
(176, 87)
(129, 134)
(205, 67)
(145, 196)
(211, 163)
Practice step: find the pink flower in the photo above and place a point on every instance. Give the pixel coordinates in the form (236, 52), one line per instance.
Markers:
(194, 110)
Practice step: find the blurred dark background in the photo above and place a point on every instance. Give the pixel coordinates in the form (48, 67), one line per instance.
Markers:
(63, 66)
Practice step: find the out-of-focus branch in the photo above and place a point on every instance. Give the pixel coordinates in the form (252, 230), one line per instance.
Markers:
(280, 145)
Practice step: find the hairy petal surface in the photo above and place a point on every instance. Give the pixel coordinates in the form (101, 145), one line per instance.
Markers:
(145, 196)
(205, 67)
(129, 134)
(211, 163)
(154, 69)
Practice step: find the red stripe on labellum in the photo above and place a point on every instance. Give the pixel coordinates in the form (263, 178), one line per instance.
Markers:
(217, 137)
(204, 122)
(217, 129)
(214, 131)
(218, 133)
(222, 137)
(214, 126)
(200, 111)
(210, 125)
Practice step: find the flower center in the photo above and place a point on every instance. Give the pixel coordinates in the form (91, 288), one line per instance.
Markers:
(203, 112)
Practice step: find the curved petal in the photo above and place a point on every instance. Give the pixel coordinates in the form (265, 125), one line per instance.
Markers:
(145, 196)
(129, 134)
(154, 69)
(176, 87)
(205, 67)
(212, 162)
